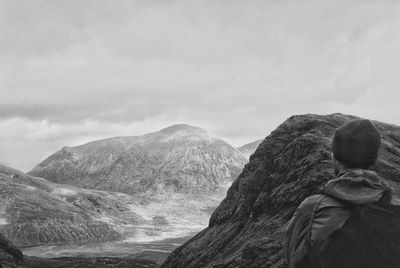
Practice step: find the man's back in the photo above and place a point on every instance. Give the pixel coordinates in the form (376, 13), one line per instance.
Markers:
(329, 230)
(356, 245)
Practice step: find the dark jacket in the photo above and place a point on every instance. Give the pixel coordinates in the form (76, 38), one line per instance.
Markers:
(319, 216)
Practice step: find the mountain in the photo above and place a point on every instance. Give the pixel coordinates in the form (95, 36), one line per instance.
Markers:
(248, 227)
(248, 149)
(35, 211)
(137, 189)
(180, 159)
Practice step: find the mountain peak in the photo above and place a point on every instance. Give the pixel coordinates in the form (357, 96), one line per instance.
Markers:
(186, 132)
(181, 127)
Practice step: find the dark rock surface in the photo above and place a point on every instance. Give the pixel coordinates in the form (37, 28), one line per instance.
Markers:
(178, 159)
(247, 229)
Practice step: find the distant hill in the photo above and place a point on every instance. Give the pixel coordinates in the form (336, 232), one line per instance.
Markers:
(248, 149)
(180, 159)
(35, 211)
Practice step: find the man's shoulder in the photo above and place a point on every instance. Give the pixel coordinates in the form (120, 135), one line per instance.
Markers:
(314, 220)
(319, 201)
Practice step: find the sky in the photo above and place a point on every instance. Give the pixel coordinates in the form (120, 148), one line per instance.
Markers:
(75, 71)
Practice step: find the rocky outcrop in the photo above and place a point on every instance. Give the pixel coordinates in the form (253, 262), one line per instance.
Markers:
(247, 229)
(179, 159)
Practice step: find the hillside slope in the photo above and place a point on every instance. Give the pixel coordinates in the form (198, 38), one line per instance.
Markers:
(247, 229)
(34, 211)
(179, 159)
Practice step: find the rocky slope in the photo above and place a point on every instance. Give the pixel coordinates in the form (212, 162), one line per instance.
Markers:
(34, 211)
(248, 149)
(247, 229)
(179, 159)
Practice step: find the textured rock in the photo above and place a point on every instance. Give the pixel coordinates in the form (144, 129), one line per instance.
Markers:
(178, 159)
(34, 211)
(247, 229)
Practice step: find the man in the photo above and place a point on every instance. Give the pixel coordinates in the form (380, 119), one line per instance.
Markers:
(330, 229)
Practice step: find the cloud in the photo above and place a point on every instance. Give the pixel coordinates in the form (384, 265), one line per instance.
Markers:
(71, 70)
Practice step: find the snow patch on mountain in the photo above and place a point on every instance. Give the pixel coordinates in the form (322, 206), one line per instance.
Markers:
(64, 192)
(3, 220)
(30, 188)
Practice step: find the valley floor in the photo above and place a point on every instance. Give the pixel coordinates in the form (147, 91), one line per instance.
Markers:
(111, 252)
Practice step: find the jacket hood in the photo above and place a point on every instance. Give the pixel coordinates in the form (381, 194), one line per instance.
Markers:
(359, 187)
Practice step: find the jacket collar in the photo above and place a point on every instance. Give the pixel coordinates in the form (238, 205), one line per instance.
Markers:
(358, 187)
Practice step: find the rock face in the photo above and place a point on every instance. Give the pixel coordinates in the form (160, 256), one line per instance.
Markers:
(248, 149)
(34, 211)
(247, 229)
(178, 159)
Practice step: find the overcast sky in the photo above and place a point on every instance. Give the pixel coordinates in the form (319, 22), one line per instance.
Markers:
(73, 71)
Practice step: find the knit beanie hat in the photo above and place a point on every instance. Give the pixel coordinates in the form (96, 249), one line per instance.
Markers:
(356, 143)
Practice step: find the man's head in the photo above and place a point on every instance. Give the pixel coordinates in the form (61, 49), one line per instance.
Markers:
(355, 145)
